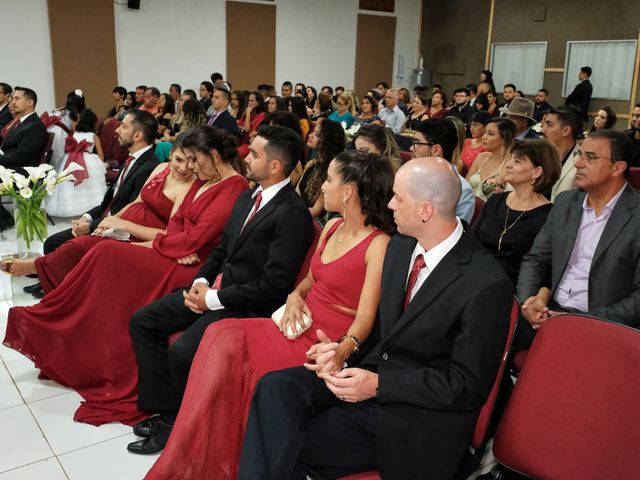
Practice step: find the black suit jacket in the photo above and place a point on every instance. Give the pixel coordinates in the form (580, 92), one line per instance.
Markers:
(129, 189)
(438, 359)
(260, 263)
(581, 97)
(614, 276)
(24, 144)
(226, 122)
(5, 117)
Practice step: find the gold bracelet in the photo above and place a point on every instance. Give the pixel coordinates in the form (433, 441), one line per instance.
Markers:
(355, 341)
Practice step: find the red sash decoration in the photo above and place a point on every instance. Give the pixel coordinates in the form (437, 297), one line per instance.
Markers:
(50, 120)
(76, 151)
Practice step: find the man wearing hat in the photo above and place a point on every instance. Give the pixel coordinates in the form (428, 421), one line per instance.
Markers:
(520, 112)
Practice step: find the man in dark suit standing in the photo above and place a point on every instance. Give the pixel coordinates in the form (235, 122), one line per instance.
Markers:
(221, 117)
(24, 141)
(5, 114)
(410, 410)
(249, 275)
(585, 258)
(581, 95)
(136, 133)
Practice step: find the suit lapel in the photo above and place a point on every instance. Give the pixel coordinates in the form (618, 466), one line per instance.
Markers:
(130, 174)
(572, 227)
(446, 272)
(619, 218)
(568, 166)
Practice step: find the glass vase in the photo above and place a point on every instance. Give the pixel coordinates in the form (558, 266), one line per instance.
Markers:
(31, 229)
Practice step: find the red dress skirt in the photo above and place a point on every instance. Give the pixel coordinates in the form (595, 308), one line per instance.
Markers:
(78, 335)
(234, 353)
(154, 211)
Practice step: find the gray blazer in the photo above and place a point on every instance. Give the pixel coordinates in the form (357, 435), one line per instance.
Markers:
(614, 278)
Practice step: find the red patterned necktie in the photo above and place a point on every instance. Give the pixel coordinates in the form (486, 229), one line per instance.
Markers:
(418, 265)
(256, 206)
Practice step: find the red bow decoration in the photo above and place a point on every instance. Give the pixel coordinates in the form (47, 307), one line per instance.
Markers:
(50, 120)
(76, 151)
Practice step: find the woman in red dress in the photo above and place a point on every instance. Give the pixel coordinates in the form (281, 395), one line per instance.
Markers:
(249, 122)
(78, 334)
(144, 218)
(340, 293)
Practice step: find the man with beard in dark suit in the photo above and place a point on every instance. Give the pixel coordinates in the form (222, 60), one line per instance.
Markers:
(409, 409)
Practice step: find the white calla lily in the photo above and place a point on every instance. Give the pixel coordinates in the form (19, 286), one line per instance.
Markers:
(20, 180)
(26, 192)
(73, 167)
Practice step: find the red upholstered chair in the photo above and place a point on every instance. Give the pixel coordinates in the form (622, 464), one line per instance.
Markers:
(317, 226)
(481, 432)
(477, 210)
(405, 156)
(114, 154)
(634, 177)
(45, 156)
(574, 411)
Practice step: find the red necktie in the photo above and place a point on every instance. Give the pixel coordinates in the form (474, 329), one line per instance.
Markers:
(124, 170)
(118, 185)
(418, 265)
(256, 206)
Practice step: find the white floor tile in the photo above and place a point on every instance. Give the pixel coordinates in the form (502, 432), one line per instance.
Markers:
(25, 375)
(107, 461)
(55, 417)
(9, 395)
(48, 469)
(21, 441)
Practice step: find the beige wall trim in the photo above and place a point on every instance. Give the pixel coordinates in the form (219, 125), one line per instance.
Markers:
(489, 35)
(554, 70)
(634, 85)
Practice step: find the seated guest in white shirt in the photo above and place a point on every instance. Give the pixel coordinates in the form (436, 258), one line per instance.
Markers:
(391, 115)
(585, 258)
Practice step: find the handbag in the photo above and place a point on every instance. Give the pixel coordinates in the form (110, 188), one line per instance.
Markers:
(277, 319)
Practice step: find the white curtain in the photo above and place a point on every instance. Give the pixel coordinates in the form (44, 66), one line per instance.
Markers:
(612, 64)
(519, 63)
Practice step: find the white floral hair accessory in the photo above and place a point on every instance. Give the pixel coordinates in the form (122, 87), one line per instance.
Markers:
(79, 93)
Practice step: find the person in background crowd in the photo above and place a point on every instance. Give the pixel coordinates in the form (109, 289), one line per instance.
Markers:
(580, 97)
(562, 127)
(418, 110)
(175, 90)
(238, 103)
(345, 110)
(206, 91)
(119, 94)
(5, 114)
(508, 94)
(438, 107)
(461, 108)
(520, 112)
(368, 112)
(634, 135)
(473, 146)
(473, 93)
(286, 89)
(140, 89)
(542, 104)
(150, 104)
(606, 118)
(297, 106)
(378, 140)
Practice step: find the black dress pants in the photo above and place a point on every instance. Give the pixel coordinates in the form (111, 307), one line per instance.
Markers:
(298, 427)
(54, 241)
(163, 370)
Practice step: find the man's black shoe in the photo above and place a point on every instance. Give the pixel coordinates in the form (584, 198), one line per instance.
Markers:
(147, 427)
(32, 288)
(38, 293)
(155, 443)
(6, 223)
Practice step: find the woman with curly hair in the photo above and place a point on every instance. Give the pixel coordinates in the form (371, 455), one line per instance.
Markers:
(234, 353)
(328, 140)
(78, 334)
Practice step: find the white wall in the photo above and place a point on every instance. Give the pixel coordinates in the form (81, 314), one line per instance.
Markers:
(170, 42)
(26, 48)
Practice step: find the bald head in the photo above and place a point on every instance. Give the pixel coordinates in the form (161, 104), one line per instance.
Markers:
(433, 180)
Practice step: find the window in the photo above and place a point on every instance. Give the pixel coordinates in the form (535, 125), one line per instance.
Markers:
(612, 63)
(519, 63)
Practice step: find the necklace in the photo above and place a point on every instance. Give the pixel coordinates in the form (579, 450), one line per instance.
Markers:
(505, 229)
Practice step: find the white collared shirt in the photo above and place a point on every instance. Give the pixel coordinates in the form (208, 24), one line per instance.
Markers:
(211, 297)
(433, 257)
(22, 119)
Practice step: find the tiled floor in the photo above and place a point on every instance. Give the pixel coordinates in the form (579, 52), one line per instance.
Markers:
(39, 439)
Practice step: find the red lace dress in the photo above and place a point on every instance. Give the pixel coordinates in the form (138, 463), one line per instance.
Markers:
(234, 354)
(154, 211)
(78, 335)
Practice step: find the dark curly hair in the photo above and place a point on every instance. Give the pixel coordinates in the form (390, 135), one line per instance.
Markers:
(330, 143)
(87, 121)
(204, 138)
(261, 107)
(373, 178)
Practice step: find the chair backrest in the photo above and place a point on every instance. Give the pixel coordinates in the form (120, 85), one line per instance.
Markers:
(46, 151)
(477, 210)
(110, 146)
(405, 156)
(634, 177)
(479, 439)
(574, 410)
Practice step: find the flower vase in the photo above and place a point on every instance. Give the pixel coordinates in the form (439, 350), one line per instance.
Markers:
(31, 228)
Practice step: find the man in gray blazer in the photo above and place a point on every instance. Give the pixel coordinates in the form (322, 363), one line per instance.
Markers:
(586, 257)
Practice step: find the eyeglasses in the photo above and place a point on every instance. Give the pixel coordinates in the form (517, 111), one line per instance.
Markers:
(590, 157)
(417, 144)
